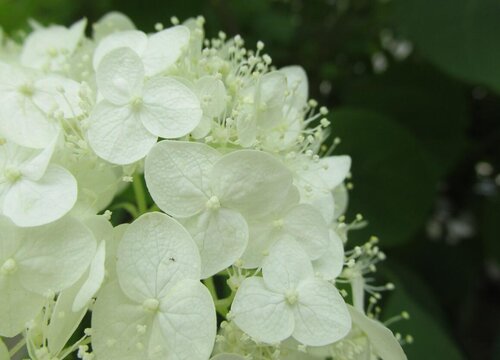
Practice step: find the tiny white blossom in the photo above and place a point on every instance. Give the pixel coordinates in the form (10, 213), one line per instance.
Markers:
(289, 301)
(126, 124)
(158, 308)
(192, 180)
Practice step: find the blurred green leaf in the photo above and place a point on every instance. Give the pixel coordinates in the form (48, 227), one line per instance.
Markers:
(390, 167)
(431, 338)
(429, 104)
(457, 35)
(491, 230)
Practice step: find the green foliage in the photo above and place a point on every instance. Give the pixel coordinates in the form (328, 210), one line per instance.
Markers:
(426, 325)
(457, 35)
(384, 179)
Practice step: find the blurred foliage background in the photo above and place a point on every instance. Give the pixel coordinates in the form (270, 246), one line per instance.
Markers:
(415, 90)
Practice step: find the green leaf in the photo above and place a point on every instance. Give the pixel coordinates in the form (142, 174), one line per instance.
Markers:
(457, 35)
(423, 100)
(394, 183)
(431, 340)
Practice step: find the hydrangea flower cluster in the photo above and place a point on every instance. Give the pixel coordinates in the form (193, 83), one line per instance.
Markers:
(241, 255)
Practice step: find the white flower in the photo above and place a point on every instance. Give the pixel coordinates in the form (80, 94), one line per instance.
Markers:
(35, 262)
(32, 191)
(298, 222)
(125, 125)
(26, 101)
(194, 180)
(289, 301)
(213, 97)
(317, 178)
(262, 107)
(48, 49)
(158, 309)
(158, 52)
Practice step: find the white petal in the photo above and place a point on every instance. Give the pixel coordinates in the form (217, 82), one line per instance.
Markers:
(221, 236)
(246, 126)
(94, 280)
(297, 85)
(212, 94)
(121, 328)
(170, 109)
(321, 316)
(120, 75)
(30, 203)
(269, 99)
(112, 250)
(117, 135)
(154, 254)
(17, 306)
(110, 23)
(97, 186)
(286, 266)
(133, 39)
(330, 264)
(381, 338)
(164, 49)
(335, 169)
(48, 96)
(250, 181)
(64, 321)
(30, 162)
(341, 199)
(177, 175)
(262, 314)
(187, 321)
(306, 225)
(203, 128)
(262, 235)
(39, 47)
(24, 123)
(54, 256)
(321, 199)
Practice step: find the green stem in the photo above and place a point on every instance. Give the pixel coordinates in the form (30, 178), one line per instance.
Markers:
(17, 347)
(209, 283)
(140, 195)
(222, 305)
(128, 207)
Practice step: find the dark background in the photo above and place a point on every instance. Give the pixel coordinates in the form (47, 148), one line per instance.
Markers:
(414, 90)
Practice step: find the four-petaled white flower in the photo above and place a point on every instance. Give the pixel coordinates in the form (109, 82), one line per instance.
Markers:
(157, 309)
(134, 111)
(298, 222)
(27, 98)
(214, 193)
(36, 262)
(32, 190)
(49, 48)
(289, 301)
